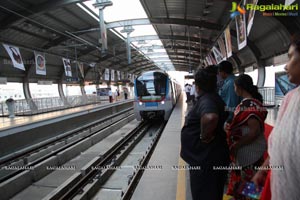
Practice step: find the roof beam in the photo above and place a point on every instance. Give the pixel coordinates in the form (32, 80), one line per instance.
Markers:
(151, 65)
(147, 68)
(153, 55)
(173, 58)
(170, 47)
(168, 37)
(157, 21)
(168, 21)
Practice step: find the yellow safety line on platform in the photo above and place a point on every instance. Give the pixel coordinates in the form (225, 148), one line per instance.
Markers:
(181, 177)
(181, 190)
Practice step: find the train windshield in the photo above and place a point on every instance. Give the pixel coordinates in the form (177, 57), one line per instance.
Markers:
(153, 84)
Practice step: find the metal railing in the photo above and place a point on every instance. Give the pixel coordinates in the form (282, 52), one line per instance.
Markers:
(42, 105)
(268, 94)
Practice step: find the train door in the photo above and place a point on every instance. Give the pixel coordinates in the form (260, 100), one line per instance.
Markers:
(173, 98)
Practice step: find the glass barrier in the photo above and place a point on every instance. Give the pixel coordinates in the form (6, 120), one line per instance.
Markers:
(42, 105)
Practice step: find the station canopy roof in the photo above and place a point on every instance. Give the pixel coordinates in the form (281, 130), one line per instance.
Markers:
(186, 30)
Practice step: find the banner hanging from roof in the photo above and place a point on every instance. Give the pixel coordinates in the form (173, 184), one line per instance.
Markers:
(67, 66)
(123, 75)
(106, 75)
(222, 46)
(251, 16)
(212, 58)
(228, 42)
(240, 22)
(112, 74)
(208, 60)
(217, 54)
(205, 63)
(289, 2)
(118, 75)
(15, 56)
(40, 63)
(81, 68)
(129, 76)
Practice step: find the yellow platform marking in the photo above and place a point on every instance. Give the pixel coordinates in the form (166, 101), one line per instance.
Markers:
(227, 197)
(181, 177)
(181, 190)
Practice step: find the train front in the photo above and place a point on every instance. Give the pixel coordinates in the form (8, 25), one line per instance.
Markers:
(152, 99)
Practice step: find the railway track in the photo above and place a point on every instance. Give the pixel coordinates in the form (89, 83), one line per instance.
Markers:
(28, 159)
(85, 184)
(31, 164)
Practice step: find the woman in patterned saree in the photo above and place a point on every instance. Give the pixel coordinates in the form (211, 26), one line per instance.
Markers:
(245, 134)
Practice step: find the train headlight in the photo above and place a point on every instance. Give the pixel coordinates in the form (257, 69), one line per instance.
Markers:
(140, 103)
(163, 102)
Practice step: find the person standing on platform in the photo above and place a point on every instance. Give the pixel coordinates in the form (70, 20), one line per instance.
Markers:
(284, 140)
(227, 90)
(203, 140)
(187, 92)
(110, 96)
(193, 92)
(126, 94)
(246, 140)
(117, 94)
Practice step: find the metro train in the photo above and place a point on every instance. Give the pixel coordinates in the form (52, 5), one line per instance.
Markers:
(155, 95)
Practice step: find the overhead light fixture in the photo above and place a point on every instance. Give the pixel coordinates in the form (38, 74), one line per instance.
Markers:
(206, 12)
(208, 4)
(142, 42)
(150, 50)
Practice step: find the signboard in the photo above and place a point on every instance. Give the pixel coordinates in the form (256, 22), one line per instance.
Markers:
(44, 82)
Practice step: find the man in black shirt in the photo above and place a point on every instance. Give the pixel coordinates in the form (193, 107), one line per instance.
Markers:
(203, 140)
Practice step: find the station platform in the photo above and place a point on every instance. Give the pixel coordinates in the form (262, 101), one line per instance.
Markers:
(21, 121)
(171, 183)
(167, 183)
(21, 132)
